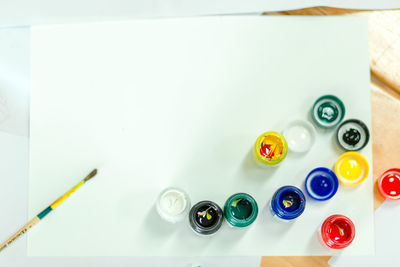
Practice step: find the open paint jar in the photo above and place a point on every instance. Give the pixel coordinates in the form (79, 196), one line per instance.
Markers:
(205, 218)
(328, 111)
(389, 184)
(321, 184)
(351, 168)
(352, 135)
(270, 149)
(240, 210)
(337, 232)
(173, 204)
(300, 136)
(287, 203)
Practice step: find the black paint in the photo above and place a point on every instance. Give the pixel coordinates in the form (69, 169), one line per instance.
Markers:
(352, 137)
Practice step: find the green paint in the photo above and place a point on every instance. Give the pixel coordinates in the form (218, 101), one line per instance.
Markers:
(240, 210)
(328, 111)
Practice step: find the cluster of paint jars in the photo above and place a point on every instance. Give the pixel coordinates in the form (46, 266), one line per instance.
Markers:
(206, 217)
(288, 202)
(241, 210)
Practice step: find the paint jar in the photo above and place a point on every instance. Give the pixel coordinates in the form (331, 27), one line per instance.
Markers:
(389, 184)
(287, 203)
(300, 136)
(173, 204)
(337, 232)
(205, 218)
(321, 184)
(352, 135)
(328, 111)
(270, 149)
(351, 168)
(240, 210)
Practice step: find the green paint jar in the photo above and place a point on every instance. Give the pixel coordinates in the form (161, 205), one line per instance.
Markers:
(328, 111)
(240, 210)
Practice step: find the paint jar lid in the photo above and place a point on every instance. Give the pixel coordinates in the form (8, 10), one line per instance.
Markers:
(270, 148)
(300, 136)
(173, 204)
(205, 218)
(321, 184)
(240, 210)
(389, 184)
(288, 202)
(352, 135)
(328, 111)
(338, 231)
(351, 168)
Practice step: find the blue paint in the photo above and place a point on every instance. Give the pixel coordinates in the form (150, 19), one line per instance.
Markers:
(321, 184)
(288, 203)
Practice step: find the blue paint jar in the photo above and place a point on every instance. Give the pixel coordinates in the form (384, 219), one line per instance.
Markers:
(321, 184)
(287, 203)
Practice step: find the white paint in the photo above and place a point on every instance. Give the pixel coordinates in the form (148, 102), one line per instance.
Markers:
(173, 202)
(300, 136)
(173, 205)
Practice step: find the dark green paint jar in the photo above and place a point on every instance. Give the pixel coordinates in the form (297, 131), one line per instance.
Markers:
(240, 210)
(328, 111)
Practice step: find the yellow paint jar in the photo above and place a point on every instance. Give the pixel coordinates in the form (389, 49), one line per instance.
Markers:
(270, 149)
(351, 168)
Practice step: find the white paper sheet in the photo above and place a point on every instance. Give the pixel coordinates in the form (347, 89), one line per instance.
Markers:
(14, 182)
(28, 12)
(111, 95)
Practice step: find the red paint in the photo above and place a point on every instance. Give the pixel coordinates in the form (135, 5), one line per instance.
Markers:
(337, 232)
(266, 151)
(389, 184)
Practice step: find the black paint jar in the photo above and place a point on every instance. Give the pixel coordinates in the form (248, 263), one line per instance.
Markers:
(352, 135)
(205, 218)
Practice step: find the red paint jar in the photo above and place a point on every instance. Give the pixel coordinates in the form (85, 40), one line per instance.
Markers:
(337, 232)
(389, 184)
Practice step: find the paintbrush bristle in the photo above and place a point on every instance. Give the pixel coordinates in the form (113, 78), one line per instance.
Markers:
(90, 175)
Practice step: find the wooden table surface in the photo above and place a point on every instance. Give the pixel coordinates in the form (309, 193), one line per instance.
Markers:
(384, 45)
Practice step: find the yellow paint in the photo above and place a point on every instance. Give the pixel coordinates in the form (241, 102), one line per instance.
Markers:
(66, 195)
(275, 148)
(287, 203)
(351, 168)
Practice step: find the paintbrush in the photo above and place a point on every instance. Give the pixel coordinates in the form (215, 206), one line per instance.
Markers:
(46, 211)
